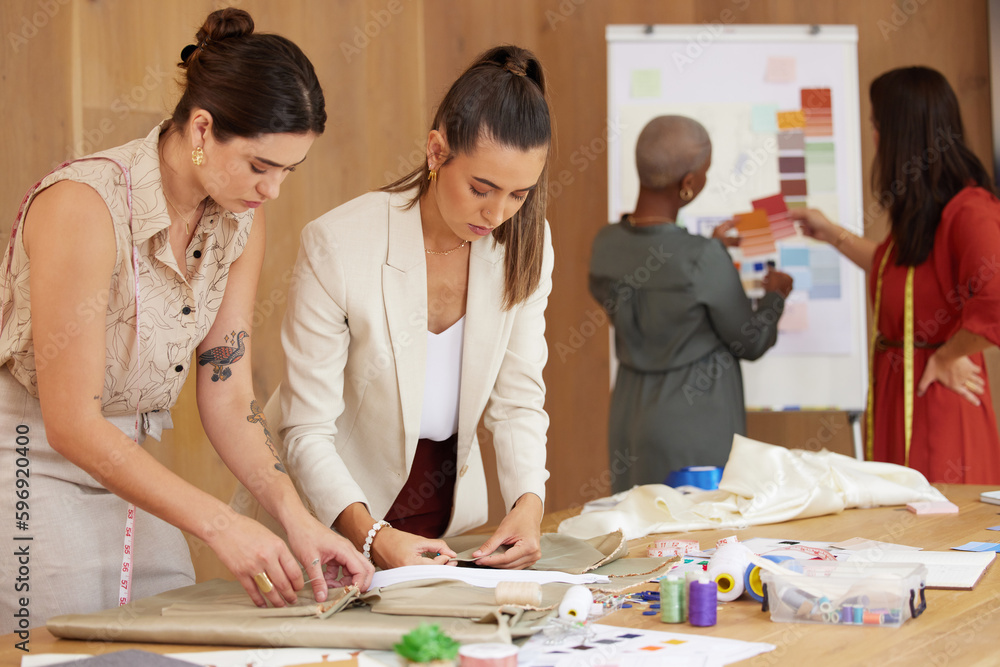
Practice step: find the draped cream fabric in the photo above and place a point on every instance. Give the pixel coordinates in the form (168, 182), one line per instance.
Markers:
(761, 484)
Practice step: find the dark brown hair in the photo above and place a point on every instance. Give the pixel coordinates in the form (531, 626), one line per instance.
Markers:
(251, 83)
(499, 98)
(921, 160)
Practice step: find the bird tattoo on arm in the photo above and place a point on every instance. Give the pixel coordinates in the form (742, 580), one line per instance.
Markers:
(223, 356)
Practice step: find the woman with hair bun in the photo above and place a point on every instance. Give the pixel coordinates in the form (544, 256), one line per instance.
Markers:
(418, 310)
(932, 281)
(121, 266)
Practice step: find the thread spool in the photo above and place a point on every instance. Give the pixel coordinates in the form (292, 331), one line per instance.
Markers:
(673, 599)
(727, 568)
(752, 583)
(703, 477)
(519, 593)
(576, 604)
(802, 602)
(487, 655)
(702, 599)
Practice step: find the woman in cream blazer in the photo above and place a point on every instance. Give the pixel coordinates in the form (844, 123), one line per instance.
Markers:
(374, 276)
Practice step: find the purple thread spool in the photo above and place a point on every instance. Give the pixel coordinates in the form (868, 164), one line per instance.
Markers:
(702, 600)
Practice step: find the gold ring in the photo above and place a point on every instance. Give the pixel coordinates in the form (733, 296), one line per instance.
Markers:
(263, 583)
(969, 385)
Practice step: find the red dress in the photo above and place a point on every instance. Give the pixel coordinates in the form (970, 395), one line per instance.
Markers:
(957, 287)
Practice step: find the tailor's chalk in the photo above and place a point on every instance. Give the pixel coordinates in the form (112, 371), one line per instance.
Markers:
(791, 408)
(993, 528)
(649, 612)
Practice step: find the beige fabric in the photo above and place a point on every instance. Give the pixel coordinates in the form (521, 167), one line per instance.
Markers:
(236, 604)
(761, 484)
(466, 613)
(355, 336)
(168, 337)
(142, 621)
(561, 553)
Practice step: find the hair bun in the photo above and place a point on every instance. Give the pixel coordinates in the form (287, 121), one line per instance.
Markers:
(225, 23)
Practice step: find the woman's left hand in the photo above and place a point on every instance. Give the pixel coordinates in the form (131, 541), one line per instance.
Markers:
(521, 531)
(960, 374)
(315, 545)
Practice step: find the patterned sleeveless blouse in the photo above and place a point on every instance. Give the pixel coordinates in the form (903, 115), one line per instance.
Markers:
(176, 312)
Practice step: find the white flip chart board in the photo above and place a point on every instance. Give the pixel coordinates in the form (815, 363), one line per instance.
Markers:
(744, 84)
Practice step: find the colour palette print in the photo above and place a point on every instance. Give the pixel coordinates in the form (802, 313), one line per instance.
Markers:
(611, 646)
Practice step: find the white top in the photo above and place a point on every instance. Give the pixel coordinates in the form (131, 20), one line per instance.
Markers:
(442, 382)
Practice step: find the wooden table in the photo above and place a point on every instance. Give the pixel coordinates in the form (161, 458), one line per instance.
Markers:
(958, 628)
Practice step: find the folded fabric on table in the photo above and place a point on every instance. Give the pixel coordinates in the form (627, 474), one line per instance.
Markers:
(761, 484)
(219, 612)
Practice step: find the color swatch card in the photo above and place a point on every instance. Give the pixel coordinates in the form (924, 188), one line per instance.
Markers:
(818, 112)
(777, 216)
(608, 646)
(791, 120)
(755, 233)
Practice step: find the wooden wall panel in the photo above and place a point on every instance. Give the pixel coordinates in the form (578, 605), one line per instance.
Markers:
(384, 64)
(36, 76)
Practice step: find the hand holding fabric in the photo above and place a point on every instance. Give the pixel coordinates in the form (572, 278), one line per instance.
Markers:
(521, 531)
(316, 545)
(247, 548)
(395, 548)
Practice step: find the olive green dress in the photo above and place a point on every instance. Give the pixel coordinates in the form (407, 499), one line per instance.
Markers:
(682, 323)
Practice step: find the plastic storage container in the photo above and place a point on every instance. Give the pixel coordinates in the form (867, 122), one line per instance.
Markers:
(842, 593)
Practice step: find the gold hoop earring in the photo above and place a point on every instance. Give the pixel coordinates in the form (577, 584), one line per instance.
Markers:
(687, 194)
(198, 156)
(432, 175)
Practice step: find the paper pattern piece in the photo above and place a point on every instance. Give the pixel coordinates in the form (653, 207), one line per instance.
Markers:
(945, 569)
(645, 83)
(780, 69)
(485, 578)
(755, 233)
(637, 648)
(777, 216)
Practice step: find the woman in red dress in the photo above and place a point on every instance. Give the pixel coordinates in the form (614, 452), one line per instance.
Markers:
(944, 241)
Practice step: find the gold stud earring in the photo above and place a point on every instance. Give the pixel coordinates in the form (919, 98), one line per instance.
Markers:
(432, 175)
(198, 156)
(687, 194)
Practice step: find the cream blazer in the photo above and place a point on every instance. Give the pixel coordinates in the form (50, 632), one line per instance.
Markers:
(355, 342)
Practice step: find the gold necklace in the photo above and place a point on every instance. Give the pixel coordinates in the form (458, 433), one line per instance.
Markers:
(187, 221)
(445, 252)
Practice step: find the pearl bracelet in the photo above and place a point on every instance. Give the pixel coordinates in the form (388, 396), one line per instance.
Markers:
(367, 550)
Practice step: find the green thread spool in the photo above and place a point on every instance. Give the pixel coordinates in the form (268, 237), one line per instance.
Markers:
(673, 599)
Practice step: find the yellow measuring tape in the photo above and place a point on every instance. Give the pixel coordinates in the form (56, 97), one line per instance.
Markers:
(908, 385)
